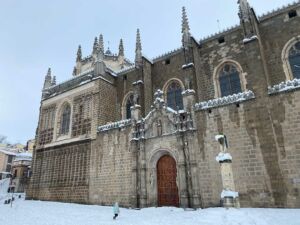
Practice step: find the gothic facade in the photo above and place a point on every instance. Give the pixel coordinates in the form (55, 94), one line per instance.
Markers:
(143, 133)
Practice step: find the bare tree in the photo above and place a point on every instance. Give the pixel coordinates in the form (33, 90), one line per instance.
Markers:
(3, 139)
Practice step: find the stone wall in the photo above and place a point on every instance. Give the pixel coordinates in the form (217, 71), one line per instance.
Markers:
(265, 149)
(111, 168)
(61, 173)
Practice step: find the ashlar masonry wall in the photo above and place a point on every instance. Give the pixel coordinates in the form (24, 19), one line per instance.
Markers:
(111, 168)
(264, 143)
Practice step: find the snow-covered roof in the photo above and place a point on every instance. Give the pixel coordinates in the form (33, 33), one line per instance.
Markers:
(23, 156)
(7, 152)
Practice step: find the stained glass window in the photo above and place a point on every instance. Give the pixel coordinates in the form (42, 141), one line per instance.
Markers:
(174, 97)
(229, 80)
(294, 59)
(65, 120)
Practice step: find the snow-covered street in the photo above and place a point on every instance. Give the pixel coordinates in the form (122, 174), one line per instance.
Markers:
(53, 213)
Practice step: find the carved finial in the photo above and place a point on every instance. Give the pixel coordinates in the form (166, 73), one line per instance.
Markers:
(244, 10)
(186, 36)
(95, 46)
(79, 54)
(121, 48)
(101, 43)
(53, 82)
(48, 78)
(138, 49)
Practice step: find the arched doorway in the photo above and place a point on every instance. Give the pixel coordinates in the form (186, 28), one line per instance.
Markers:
(167, 190)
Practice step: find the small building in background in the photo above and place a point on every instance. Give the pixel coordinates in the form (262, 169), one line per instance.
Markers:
(21, 170)
(6, 159)
(30, 145)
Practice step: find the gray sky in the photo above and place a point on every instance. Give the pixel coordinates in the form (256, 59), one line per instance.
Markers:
(39, 34)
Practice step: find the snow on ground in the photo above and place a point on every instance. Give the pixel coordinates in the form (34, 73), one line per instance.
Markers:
(53, 213)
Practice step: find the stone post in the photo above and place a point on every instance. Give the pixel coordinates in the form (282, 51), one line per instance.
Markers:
(229, 196)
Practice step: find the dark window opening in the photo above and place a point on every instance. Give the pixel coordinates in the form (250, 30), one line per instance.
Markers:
(229, 80)
(221, 40)
(209, 111)
(167, 61)
(238, 105)
(292, 13)
(125, 77)
(174, 96)
(129, 103)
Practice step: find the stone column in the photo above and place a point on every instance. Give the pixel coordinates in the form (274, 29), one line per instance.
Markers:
(228, 195)
(135, 116)
(190, 147)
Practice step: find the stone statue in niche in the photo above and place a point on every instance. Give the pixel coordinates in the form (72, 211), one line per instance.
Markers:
(159, 127)
(151, 178)
(135, 98)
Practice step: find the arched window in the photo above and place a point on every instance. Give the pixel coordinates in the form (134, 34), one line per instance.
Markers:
(65, 120)
(229, 80)
(294, 60)
(129, 103)
(174, 96)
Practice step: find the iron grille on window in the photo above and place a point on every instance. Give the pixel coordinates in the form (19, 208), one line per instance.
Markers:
(229, 80)
(294, 59)
(65, 121)
(174, 97)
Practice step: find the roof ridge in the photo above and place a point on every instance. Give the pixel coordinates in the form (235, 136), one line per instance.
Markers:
(214, 35)
(278, 10)
(166, 54)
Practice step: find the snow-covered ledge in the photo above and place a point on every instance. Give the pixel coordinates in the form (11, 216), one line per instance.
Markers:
(187, 65)
(249, 39)
(224, 157)
(188, 92)
(289, 85)
(229, 194)
(230, 99)
(115, 125)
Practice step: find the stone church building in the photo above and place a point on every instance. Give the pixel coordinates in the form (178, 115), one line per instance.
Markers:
(143, 133)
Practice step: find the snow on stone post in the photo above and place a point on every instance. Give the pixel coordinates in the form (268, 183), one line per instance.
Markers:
(229, 196)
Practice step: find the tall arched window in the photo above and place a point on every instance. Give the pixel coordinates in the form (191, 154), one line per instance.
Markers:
(174, 96)
(229, 80)
(294, 60)
(65, 120)
(129, 103)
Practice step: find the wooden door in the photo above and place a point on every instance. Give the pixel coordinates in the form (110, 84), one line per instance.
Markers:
(167, 191)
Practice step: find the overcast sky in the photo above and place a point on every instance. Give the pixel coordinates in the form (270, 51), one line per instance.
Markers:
(39, 34)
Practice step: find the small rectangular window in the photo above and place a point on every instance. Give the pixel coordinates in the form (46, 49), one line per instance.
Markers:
(221, 40)
(292, 13)
(124, 77)
(167, 61)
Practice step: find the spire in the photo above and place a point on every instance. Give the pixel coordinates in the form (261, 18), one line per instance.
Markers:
(53, 82)
(121, 48)
(95, 46)
(246, 18)
(101, 43)
(79, 54)
(138, 49)
(47, 82)
(186, 36)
